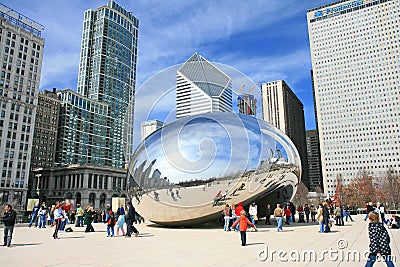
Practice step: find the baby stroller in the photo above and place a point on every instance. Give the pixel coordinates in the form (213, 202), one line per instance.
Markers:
(301, 216)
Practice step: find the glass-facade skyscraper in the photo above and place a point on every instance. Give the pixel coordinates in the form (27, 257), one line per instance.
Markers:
(107, 73)
(95, 131)
(355, 61)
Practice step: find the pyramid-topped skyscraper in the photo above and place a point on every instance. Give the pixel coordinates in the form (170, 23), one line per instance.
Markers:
(202, 88)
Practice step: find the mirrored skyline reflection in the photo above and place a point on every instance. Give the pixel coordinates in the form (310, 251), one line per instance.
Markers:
(209, 147)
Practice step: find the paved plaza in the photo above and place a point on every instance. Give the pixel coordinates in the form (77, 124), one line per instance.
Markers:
(202, 246)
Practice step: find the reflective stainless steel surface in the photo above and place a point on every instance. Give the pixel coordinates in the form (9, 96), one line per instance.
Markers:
(185, 172)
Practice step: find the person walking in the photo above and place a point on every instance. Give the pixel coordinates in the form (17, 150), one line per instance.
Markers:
(58, 215)
(34, 215)
(243, 222)
(9, 218)
(253, 213)
(233, 215)
(287, 214)
(307, 211)
(227, 217)
(278, 214)
(51, 213)
(120, 224)
(382, 212)
(129, 219)
(292, 208)
(326, 214)
(268, 214)
(110, 219)
(338, 214)
(313, 212)
(79, 216)
(64, 220)
(238, 209)
(347, 213)
(379, 245)
(89, 216)
(320, 217)
(43, 215)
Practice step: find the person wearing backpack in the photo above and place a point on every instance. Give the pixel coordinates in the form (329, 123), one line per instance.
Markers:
(110, 220)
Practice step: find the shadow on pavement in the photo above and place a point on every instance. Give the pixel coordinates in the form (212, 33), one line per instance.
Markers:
(253, 244)
(27, 244)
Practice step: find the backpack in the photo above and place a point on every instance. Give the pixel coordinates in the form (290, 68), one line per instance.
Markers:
(111, 220)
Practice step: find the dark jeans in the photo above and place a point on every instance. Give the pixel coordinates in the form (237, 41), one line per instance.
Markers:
(130, 228)
(8, 231)
(62, 225)
(267, 219)
(57, 222)
(79, 221)
(313, 216)
(243, 237)
(372, 259)
(287, 219)
(42, 222)
(89, 227)
(337, 219)
(326, 222)
(34, 220)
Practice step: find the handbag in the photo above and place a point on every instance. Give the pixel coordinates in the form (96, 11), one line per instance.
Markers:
(255, 217)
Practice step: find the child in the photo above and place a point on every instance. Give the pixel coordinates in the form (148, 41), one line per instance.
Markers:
(243, 222)
(110, 223)
(379, 241)
(120, 224)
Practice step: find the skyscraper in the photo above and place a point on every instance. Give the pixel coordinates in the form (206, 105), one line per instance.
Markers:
(107, 72)
(282, 108)
(44, 137)
(247, 104)
(314, 160)
(355, 61)
(201, 87)
(95, 133)
(21, 56)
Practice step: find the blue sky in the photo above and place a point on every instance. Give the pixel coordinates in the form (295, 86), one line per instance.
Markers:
(264, 40)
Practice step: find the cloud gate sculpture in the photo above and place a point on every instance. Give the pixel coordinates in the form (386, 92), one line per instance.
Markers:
(184, 173)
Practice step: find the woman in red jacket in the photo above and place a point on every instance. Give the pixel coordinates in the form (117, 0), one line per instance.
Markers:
(288, 214)
(243, 223)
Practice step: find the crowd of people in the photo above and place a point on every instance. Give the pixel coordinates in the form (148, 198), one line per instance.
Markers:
(326, 214)
(60, 215)
(236, 218)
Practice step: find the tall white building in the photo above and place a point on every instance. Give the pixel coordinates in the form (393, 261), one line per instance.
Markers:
(355, 60)
(21, 53)
(148, 127)
(201, 87)
(283, 109)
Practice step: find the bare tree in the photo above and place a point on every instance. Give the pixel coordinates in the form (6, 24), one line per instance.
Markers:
(300, 198)
(320, 194)
(359, 191)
